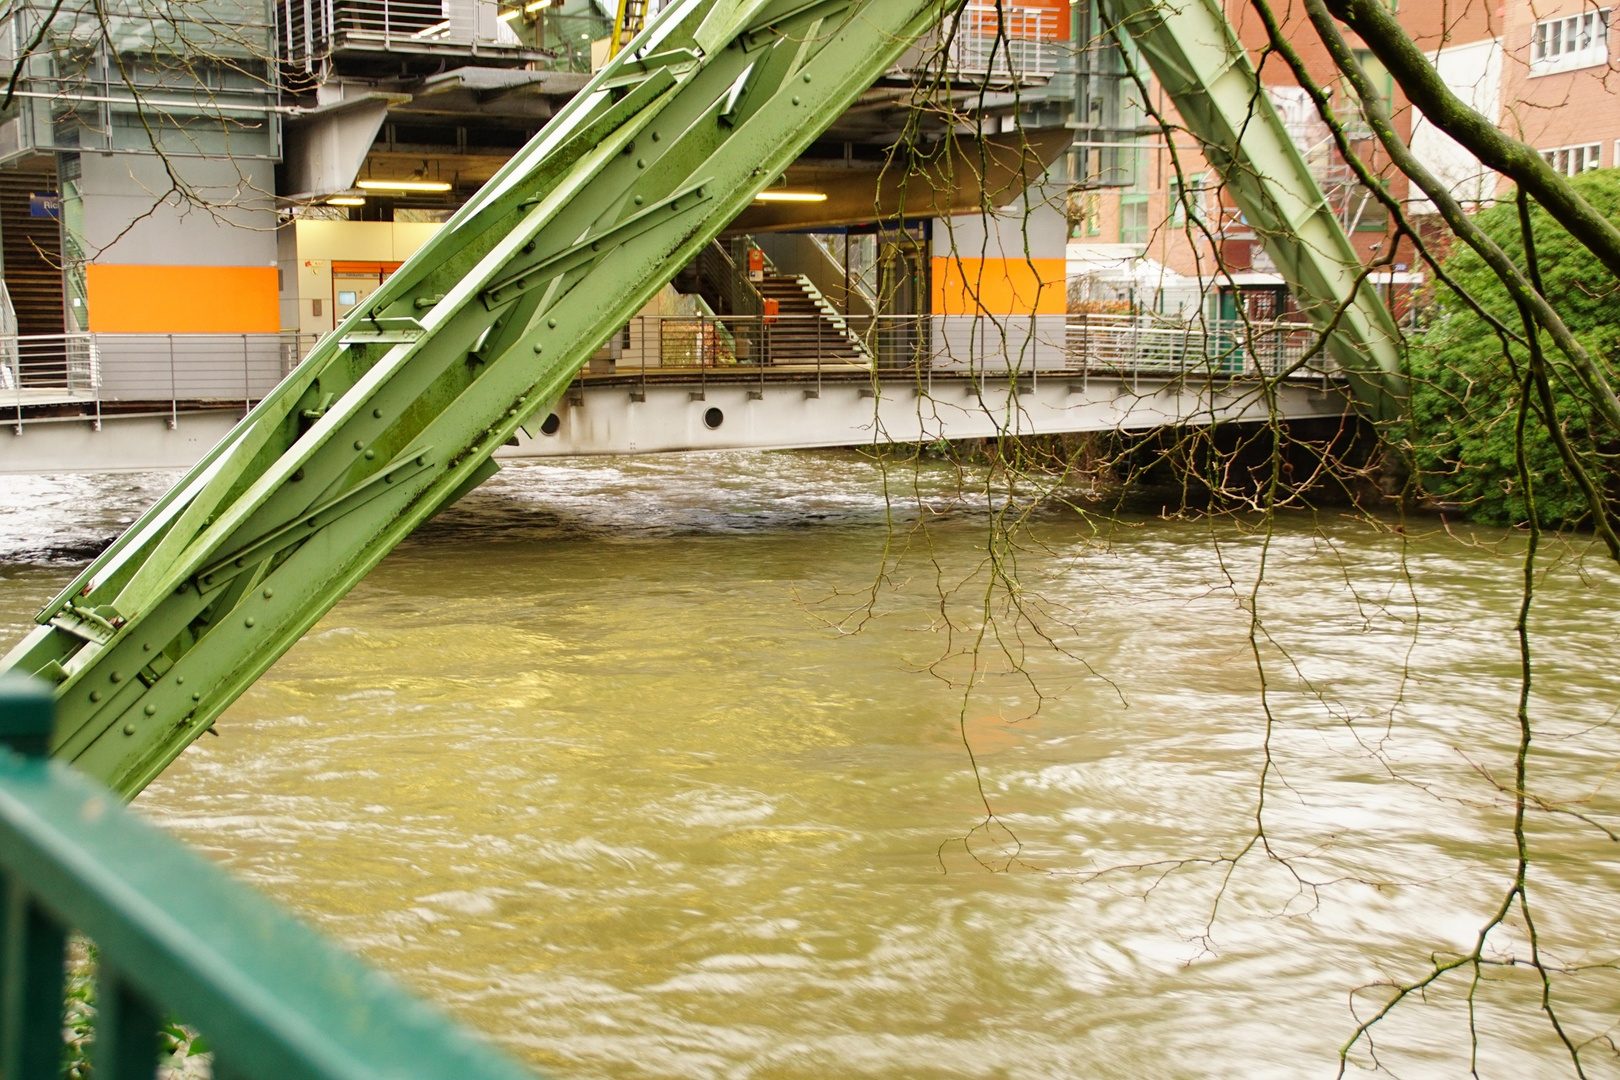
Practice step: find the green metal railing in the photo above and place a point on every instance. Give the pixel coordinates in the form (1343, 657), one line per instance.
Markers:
(176, 937)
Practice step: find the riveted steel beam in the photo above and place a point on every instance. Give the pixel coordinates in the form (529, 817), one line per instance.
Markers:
(396, 413)
(1197, 58)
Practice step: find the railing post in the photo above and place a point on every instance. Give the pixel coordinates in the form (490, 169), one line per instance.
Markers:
(31, 942)
(127, 1029)
(27, 708)
(174, 393)
(95, 379)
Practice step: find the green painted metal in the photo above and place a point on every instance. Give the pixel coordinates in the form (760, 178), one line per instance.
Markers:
(1197, 58)
(395, 414)
(176, 936)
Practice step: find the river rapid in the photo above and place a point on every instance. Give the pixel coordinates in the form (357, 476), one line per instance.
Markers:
(661, 768)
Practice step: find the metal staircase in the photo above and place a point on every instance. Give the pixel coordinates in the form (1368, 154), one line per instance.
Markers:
(807, 330)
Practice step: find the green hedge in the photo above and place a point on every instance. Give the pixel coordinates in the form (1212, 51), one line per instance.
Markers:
(1464, 390)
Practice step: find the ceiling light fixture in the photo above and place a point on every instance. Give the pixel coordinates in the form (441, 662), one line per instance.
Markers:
(402, 185)
(346, 200)
(508, 16)
(791, 196)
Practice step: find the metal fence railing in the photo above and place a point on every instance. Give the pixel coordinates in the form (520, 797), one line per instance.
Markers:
(1006, 41)
(91, 370)
(992, 344)
(174, 936)
(170, 372)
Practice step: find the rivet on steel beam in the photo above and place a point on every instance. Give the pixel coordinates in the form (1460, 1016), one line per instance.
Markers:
(268, 593)
(640, 200)
(180, 680)
(95, 695)
(807, 76)
(248, 621)
(146, 646)
(151, 710)
(358, 444)
(552, 323)
(795, 99)
(370, 454)
(656, 136)
(376, 414)
(641, 163)
(538, 348)
(129, 729)
(117, 676)
(421, 459)
(196, 697)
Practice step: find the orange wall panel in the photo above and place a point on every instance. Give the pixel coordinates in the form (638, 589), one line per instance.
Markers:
(1000, 286)
(183, 299)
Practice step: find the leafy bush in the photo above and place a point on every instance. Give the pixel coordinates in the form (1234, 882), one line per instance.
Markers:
(1465, 391)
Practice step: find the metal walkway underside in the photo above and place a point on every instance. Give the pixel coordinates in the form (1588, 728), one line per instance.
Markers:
(399, 412)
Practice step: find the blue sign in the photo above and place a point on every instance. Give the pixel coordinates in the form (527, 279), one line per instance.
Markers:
(44, 204)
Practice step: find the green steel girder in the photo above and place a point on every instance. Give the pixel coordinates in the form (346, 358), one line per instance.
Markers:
(396, 413)
(1197, 58)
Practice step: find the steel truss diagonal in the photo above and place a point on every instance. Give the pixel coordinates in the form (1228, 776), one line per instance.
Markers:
(1194, 54)
(396, 413)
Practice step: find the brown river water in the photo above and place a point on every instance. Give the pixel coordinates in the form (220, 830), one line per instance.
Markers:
(598, 763)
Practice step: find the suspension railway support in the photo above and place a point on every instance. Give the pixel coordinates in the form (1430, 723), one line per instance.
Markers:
(397, 412)
(1195, 55)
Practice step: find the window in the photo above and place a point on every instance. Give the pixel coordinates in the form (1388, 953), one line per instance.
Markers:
(1090, 214)
(1133, 219)
(1383, 83)
(1574, 160)
(1193, 197)
(1570, 42)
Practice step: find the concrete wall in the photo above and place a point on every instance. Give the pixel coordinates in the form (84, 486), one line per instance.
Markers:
(129, 214)
(1007, 261)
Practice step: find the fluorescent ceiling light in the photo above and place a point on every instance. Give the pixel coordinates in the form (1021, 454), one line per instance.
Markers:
(508, 16)
(536, 6)
(346, 200)
(402, 185)
(791, 196)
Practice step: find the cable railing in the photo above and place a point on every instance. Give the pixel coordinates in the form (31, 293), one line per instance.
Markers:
(53, 373)
(173, 935)
(978, 342)
(71, 376)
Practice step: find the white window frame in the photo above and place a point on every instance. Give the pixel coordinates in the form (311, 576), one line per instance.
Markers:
(1570, 42)
(1574, 160)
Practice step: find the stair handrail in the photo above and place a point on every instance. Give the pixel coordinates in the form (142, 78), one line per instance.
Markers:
(856, 284)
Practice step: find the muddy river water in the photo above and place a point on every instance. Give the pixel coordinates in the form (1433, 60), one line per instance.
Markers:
(646, 769)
